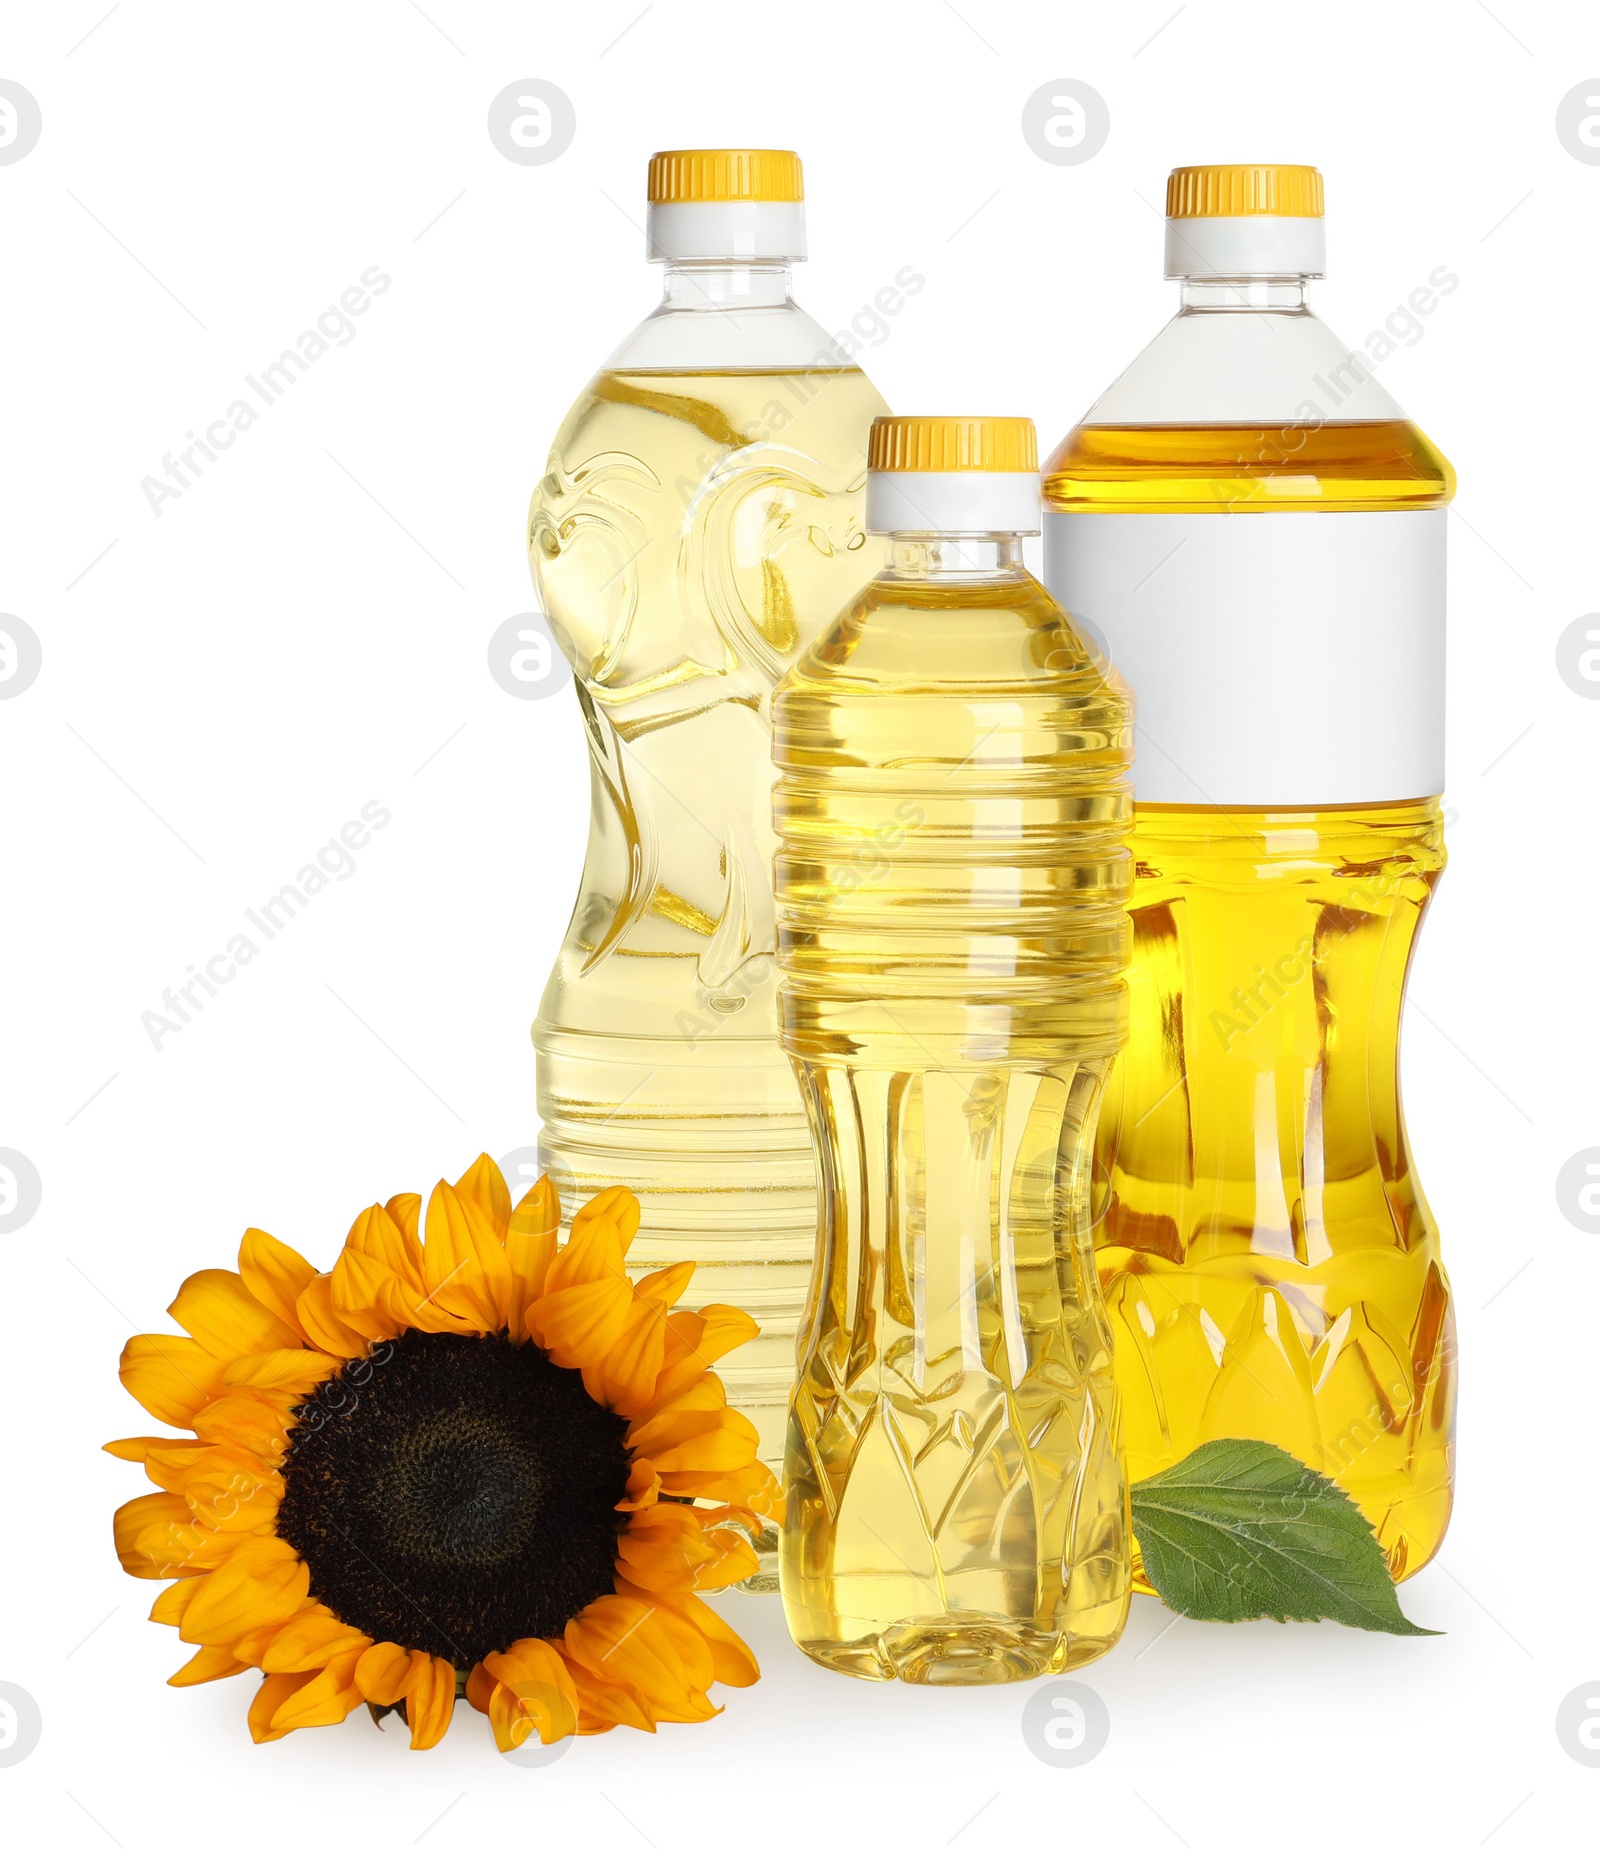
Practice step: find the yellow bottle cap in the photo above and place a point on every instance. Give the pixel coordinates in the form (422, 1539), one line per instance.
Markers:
(952, 475)
(1244, 192)
(715, 176)
(939, 445)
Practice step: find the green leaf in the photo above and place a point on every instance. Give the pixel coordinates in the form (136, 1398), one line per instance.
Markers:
(1240, 1530)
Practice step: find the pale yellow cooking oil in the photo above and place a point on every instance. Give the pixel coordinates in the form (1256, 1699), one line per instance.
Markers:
(951, 877)
(691, 535)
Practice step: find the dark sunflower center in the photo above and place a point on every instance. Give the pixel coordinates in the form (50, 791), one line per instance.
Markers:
(455, 1493)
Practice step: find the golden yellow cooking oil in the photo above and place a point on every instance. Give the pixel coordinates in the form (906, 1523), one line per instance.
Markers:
(1195, 469)
(952, 811)
(1269, 1260)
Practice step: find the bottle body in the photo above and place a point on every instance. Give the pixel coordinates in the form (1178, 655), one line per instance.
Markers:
(1277, 578)
(696, 527)
(1270, 1263)
(952, 812)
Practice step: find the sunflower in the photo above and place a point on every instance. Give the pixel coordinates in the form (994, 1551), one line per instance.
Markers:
(481, 1463)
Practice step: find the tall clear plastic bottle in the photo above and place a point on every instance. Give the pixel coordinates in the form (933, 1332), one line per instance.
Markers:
(952, 811)
(700, 520)
(1259, 535)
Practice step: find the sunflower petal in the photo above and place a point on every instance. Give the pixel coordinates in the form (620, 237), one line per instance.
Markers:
(166, 1460)
(263, 1582)
(731, 1657)
(752, 1487)
(480, 1687)
(136, 1450)
(363, 1291)
(668, 1284)
(614, 1378)
(669, 1550)
(699, 1407)
(227, 1491)
(579, 1325)
(485, 1186)
(430, 1699)
(254, 1645)
(464, 1264)
(586, 1298)
(173, 1601)
(603, 1705)
(418, 1308)
(380, 1236)
(705, 1450)
(539, 1210)
(283, 1376)
(322, 1322)
(644, 1486)
(226, 1319)
(171, 1376)
(406, 1212)
(272, 1694)
(130, 1524)
(625, 1376)
(530, 1246)
(532, 1690)
(312, 1640)
(623, 1640)
(512, 1718)
(323, 1701)
(381, 1674)
(689, 1642)
(616, 1205)
(377, 1235)
(173, 1549)
(210, 1663)
(594, 1252)
(274, 1274)
(246, 1423)
(697, 1340)
(735, 1661)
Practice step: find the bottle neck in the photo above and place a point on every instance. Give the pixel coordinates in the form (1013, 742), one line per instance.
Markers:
(714, 287)
(1250, 294)
(955, 555)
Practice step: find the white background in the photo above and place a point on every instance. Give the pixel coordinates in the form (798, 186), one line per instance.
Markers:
(228, 683)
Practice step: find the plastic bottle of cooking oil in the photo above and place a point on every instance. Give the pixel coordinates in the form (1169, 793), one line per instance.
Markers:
(700, 520)
(953, 869)
(1259, 535)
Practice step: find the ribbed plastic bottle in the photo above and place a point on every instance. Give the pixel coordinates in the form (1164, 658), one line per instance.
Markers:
(952, 811)
(699, 522)
(1258, 533)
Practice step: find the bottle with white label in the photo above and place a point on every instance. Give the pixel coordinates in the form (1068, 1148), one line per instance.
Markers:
(1258, 535)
